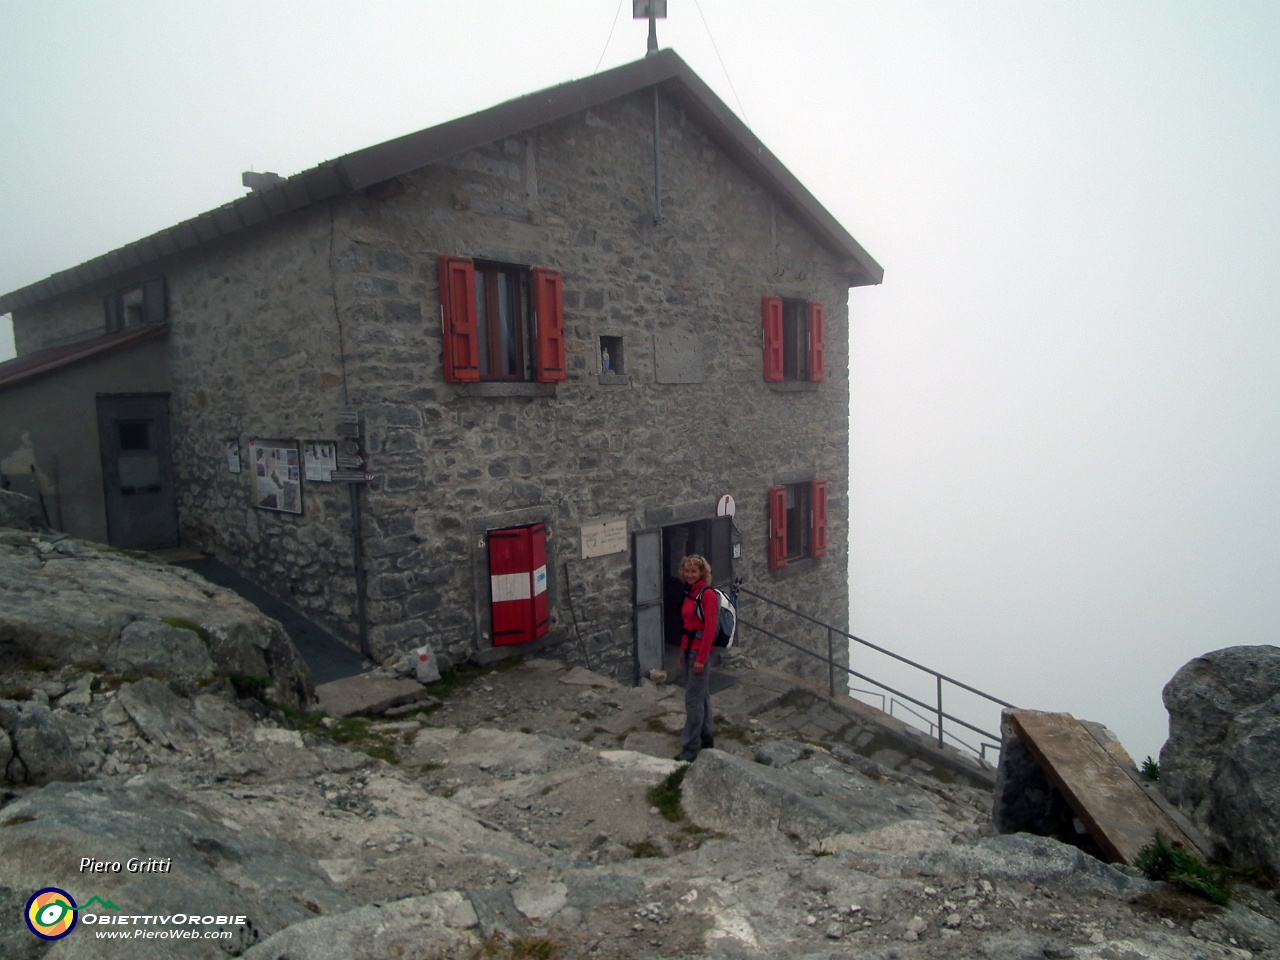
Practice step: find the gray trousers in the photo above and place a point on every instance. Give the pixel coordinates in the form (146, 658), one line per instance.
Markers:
(699, 728)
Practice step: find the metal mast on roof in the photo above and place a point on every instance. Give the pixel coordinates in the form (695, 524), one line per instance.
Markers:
(653, 9)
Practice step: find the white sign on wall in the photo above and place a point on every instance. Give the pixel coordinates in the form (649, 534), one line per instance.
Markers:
(601, 539)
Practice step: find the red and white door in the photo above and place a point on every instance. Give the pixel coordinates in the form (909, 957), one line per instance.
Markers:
(518, 583)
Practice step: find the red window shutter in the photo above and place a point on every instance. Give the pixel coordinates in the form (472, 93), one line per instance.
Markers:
(538, 551)
(777, 527)
(510, 585)
(818, 504)
(771, 307)
(458, 314)
(817, 353)
(548, 305)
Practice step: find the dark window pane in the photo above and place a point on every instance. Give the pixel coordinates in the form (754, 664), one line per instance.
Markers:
(135, 435)
(795, 339)
(482, 321)
(509, 335)
(797, 520)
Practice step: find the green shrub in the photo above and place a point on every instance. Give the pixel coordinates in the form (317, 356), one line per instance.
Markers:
(1151, 769)
(1161, 860)
(251, 686)
(666, 795)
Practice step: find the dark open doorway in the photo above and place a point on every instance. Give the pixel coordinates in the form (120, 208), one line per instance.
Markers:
(712, 539)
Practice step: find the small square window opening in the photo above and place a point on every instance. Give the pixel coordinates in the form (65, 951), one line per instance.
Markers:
(612, 359)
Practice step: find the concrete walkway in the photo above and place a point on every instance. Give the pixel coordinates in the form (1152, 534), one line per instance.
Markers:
(328, 658)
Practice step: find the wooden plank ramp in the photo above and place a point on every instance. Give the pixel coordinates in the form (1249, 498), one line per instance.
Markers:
(1117, 812)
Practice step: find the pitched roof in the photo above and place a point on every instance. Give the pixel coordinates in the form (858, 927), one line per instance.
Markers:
(364, 168)
(32, 365)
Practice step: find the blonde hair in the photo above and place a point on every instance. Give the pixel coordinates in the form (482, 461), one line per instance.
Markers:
(704, 568)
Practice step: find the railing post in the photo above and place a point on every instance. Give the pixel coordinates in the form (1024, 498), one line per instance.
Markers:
(939, 676)
(831, 664)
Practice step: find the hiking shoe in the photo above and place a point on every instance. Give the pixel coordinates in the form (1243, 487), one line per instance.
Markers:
(687, 756)
(709, 743)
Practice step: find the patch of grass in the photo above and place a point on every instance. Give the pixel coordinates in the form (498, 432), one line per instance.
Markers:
(136, 555)
(1151, 768)
(255, 685)
(526, 729)
(546, 790)
(1161, 860)
(429, 767)
(732, 731)
(14, 821)
(645, 848)
(380, 751)
(184, 624)
(1176, 905)
(535, 948)
(666, 795)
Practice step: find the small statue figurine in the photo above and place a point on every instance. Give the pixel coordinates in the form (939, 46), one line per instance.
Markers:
(604, 359)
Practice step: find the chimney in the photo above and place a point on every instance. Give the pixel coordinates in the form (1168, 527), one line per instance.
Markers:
(257, 182)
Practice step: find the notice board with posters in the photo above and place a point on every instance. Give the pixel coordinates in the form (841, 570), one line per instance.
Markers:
(277, 477)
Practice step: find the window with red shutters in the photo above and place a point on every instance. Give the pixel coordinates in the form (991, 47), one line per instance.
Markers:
(797, 522)
(518, 583)
(501, 322)
(794, 340)
(458, 314)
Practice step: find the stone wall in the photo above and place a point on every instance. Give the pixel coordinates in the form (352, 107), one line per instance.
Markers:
(273, 327)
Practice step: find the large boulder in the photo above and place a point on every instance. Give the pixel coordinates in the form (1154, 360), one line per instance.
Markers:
(36, 749)
(73, 602)
(20, 512)
(1221, 764)
(210, 865)
(154, 648)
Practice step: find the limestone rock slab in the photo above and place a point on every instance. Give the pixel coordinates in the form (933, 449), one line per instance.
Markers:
(735, 796)
(438, 925)
(367, 693)
(212, 863)
(163, 717)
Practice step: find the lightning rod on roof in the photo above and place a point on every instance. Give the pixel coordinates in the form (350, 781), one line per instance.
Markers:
(651, 10)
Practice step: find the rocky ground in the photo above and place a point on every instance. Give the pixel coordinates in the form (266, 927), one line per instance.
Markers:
(521, 813)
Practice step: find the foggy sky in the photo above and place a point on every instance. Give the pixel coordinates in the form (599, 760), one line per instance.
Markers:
(1065, 454)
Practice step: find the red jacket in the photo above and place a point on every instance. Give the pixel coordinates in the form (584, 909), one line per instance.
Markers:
(691, 622)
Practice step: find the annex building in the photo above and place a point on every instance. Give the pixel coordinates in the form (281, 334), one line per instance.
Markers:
(479, 387)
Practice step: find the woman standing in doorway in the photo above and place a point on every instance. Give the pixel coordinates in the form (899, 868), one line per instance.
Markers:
(698, 615)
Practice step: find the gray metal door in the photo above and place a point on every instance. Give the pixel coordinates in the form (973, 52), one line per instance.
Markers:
(137, 471)
(647, 564)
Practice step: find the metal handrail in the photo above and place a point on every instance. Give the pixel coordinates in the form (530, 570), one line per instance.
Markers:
(832, 665)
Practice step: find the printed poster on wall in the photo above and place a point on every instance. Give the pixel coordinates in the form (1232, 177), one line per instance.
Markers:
(319, 460)
(233, 456)
(277, 481)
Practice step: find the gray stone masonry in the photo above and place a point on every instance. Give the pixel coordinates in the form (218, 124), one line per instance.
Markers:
(338, 304)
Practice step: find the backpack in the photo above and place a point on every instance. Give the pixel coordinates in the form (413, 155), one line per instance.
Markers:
(726, 622)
